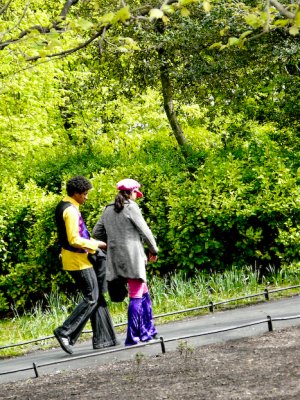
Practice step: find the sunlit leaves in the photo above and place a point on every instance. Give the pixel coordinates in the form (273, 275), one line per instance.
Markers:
(185, 12)
(245, 34)
(281, 23)
(294, 30)
(122, 15)
(297, 19)
(233, 41)
(255, 20)
(127, 44)
(168, 9)
(207, 6)
(187, 2)
(155, 13)
(80, 24)
(216, 45)
(106, 19)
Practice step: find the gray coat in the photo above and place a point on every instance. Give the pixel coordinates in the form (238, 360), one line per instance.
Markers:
(125, 233)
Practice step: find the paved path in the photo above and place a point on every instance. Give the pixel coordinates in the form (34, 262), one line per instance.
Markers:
(60, 361)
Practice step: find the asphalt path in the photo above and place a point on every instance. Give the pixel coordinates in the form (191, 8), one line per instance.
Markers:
(198, 331)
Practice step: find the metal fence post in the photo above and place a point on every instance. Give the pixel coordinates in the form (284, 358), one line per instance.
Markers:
(162, 344)
(266, 292)
(35, 370)
(211, 306)
(270, 325)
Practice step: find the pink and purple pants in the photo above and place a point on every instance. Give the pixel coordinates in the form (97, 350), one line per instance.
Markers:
(140, 326)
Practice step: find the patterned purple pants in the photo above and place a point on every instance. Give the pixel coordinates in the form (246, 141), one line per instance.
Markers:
(140, 326)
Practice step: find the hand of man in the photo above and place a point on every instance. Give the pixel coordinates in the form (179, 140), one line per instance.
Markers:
(102, 245)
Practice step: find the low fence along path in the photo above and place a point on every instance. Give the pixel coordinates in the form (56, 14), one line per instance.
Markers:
(217, 326)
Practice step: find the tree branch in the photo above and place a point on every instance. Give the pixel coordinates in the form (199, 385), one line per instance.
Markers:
(282, 9)
(22, 16)
(5, 7)
(39, 28)
(20, 20)
(70, 51)
(42, 29)
(66, 8)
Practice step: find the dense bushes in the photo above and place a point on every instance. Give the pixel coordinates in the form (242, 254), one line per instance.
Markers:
(28, 252)
(229, 221)
(240, 207)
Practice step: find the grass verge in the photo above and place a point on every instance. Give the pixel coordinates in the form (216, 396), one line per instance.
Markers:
(171, 293)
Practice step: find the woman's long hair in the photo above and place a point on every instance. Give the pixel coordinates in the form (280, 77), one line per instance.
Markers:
(120, 199)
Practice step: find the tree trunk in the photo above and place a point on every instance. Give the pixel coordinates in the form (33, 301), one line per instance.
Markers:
(169, 108)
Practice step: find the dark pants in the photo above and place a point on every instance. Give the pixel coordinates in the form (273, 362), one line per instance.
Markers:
(93, 306)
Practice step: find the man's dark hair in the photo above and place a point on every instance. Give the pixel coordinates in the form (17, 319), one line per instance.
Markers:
(78, 184)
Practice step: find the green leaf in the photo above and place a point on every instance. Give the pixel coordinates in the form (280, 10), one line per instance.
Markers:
(281, 22)
(155, 13)
(185, 12)
(42, 53)
(165, 19)
(53, 43)
(207, 6)
(107, 19)
(122, 15)
(232, 41)
(167, 9)
(254, 21)
(131, 44)
(297, 19)
(84, 24)
(186, 2)
(216, 45)
(247, 33)
(294, 30)
(224, 31)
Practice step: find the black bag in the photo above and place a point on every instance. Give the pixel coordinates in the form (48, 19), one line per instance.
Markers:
(98, 260)
(117, 289)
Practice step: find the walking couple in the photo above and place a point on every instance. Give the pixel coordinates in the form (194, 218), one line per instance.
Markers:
(120, 232)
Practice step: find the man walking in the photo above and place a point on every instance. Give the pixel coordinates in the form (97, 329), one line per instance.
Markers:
(76, 244)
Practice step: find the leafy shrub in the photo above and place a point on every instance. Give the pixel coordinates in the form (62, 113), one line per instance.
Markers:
(239, 206)
(29, 256)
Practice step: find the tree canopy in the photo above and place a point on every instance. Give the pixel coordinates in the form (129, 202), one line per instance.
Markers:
(170, 42)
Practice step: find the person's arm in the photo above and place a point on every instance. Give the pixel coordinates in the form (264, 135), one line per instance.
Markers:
(99, 231)
(139, 222)
(71, 219)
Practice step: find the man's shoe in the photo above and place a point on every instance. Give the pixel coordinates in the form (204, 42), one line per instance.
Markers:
(64, 342)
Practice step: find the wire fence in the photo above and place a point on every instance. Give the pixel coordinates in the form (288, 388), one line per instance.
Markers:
(211, 306)
(34, 367)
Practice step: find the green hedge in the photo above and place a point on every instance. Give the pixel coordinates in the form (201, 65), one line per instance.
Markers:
(239, 206)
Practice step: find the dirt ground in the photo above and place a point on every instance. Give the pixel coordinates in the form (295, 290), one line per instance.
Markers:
(265, 367)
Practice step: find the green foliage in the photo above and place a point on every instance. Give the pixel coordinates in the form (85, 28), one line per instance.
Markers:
(240, 209)
(234, 200)
(29, 255)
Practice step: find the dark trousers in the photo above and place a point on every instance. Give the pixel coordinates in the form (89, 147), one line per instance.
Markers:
(93, 306)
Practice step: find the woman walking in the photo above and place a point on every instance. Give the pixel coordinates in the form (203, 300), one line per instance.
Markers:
(124, 229)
